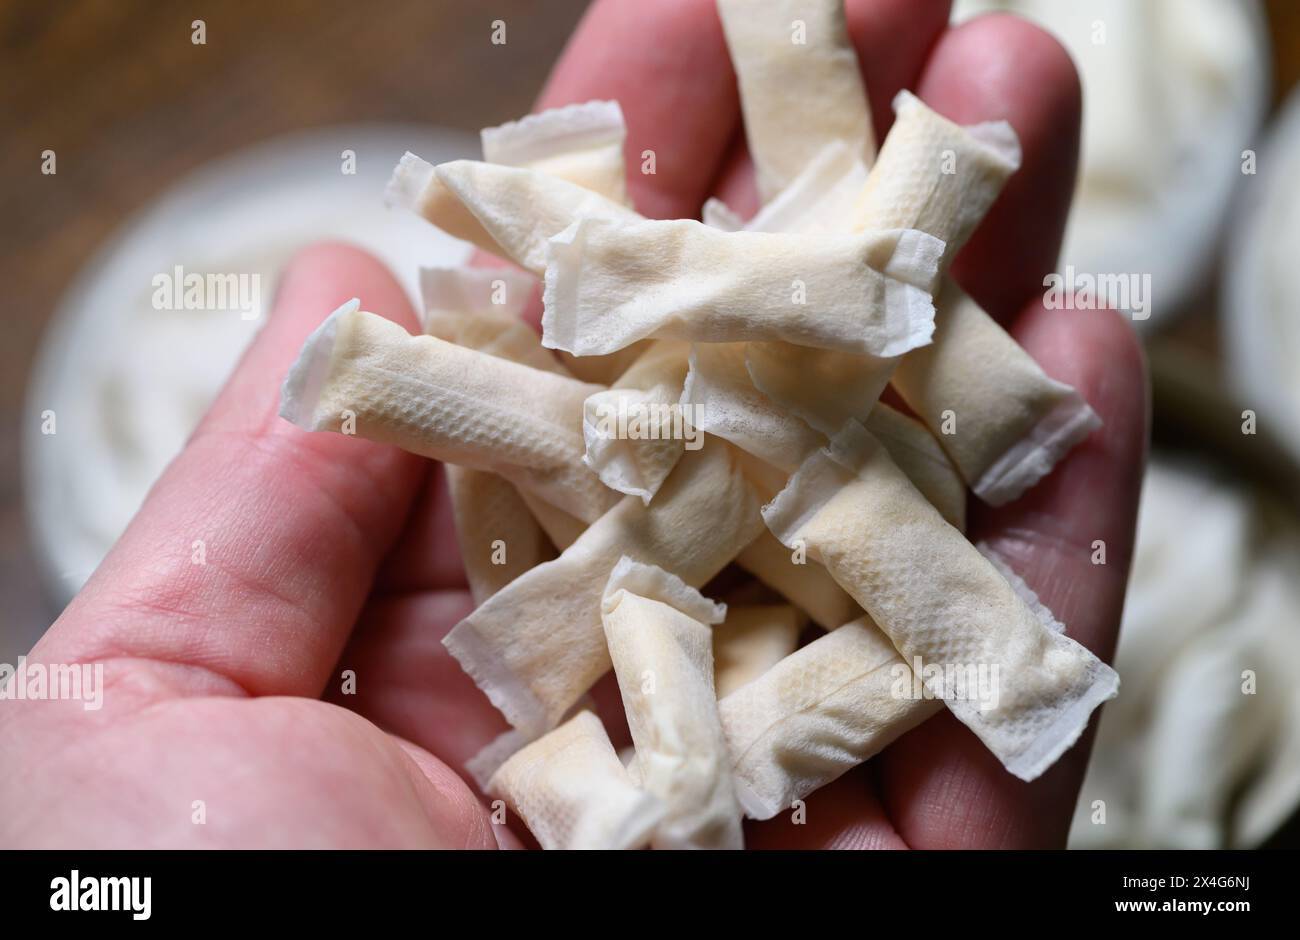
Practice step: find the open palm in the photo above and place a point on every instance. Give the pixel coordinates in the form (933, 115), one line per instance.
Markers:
(226, 720)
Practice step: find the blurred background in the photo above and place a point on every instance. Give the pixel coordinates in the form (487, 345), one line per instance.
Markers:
(131, 149)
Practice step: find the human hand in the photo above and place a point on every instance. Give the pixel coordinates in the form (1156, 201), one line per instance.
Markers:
(325, 553)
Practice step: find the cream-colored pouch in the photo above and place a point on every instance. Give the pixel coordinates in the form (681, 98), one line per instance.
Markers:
(719, 390)
(537, 645)
(414, 185)
(817, 714)
(506, 211)
(581, 143)
(570, 789)
(936, 175)
(662, 651)
(479, 308)
(827, 708)
(750, 641)
(820, 200)
(1026, 691)
(800, 84)
(361, 374)
(521, 209)
(637, 430)
(611, 283)
(998, 415)
(725, 403)
(932, 175)
(800, 580)
(1002, 420)
(498, 537)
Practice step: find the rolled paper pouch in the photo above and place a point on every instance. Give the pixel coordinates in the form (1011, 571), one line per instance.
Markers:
(724, 402)
(822, 387)
(721, 393)
(501, 335)
(359, 373)
(662, 650)
(817, 714)
(499, 538)
(1004, 422)
(476, 292)
(609, 284)
(538, 644)
(942, 603)
(821, 199)
(828, 707)
(751, 641)
(803, 582)
(936, 176)
(717, 214)
(521, 208)
(636, 431)
(571, 790)
(800, 84)
(414, 185)
(491, 756)
(581, 143)
(941, 178)
(479, 308)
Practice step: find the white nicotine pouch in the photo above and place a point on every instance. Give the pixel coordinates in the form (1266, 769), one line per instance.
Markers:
(578, 147)
(581, 143)
(800, 84)
(572, 792)
(609, 284)
(482, 308)
(361, 374)
(498, 537)
(935, 175)
(720, 392)
(1026, 691)
(817, 714)
(538, 644)
(520, 209)
(662, 650)
(506, 211)
(1003, 421)
(479, 308)
(637, 430)
(752, 640)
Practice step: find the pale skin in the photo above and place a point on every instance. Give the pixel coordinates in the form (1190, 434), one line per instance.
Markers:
(223, 681)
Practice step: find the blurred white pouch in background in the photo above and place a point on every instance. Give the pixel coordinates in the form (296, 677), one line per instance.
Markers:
(1207, 730)
(127, 378)
(1203, 749)
(1174, 91)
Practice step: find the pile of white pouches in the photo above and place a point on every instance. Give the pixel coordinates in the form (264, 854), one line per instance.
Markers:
(714, 400)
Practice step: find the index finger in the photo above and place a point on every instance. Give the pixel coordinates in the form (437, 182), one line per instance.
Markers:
(666, 64)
